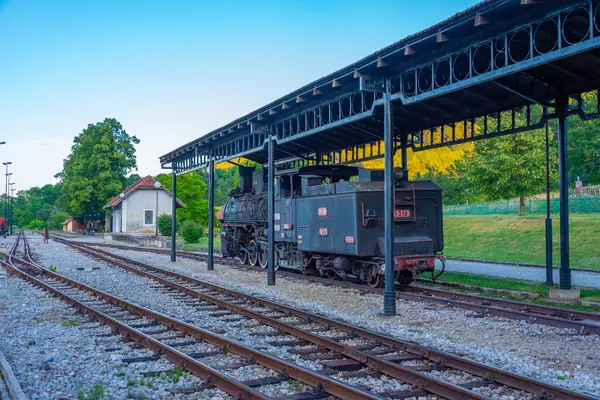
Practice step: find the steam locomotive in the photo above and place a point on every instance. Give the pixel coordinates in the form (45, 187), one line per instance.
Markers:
(328, 220)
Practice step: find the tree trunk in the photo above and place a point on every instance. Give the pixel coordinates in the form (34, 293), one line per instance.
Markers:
(522, 205)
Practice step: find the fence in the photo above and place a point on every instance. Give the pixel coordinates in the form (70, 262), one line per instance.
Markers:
(532, 206)
(588, 191)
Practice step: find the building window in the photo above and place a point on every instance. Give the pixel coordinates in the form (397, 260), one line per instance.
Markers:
(148, 217)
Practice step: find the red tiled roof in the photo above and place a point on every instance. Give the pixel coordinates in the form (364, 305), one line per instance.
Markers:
(66, 221)
(146, 182)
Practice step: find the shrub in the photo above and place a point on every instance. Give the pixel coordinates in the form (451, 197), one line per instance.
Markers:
(192, 231)
(36, 225)
(164, 224)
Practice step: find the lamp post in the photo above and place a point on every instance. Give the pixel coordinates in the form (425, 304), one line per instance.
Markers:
(157, 185)
(11, 206)
(7, 163)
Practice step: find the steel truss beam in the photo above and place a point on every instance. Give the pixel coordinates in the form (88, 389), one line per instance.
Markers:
(345, 109)
(501, 123)
(564, 33)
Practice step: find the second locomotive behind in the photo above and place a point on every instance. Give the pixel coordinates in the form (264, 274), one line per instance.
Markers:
(329, 220)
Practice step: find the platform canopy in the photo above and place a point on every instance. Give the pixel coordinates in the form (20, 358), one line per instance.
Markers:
(484, 67)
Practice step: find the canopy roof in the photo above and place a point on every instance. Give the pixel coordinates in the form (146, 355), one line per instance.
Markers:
(497, 55)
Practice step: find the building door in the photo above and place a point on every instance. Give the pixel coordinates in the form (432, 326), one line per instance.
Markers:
(117, 221)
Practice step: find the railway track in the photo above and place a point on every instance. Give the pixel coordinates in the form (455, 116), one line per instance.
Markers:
(169, 337)
(582, 321)
(376, 355)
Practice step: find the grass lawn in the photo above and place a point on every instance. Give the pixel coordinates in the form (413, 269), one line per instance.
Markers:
(203, 242)
(521, 239)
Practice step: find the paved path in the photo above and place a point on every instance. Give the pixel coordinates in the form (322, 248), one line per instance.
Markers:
(578, 278)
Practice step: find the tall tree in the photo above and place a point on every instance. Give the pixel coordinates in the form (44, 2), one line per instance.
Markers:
(101, 157)
(510, 166)
(584, 150)
(131, 179)
(191, 190)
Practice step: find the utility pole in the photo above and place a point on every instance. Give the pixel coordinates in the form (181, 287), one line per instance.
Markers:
(7, 163)
(12, 208)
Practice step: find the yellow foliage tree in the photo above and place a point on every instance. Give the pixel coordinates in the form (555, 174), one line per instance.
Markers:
(239, 160)
(437, 160)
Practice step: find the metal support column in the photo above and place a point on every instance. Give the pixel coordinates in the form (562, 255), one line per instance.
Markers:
(211, 211)
(563, 166)
(271, 210)
(389, 294)
(404, 150)
(549, 277)
(174, 215)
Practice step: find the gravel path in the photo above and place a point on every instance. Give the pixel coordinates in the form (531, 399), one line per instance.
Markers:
(550, 354)
(579, 278)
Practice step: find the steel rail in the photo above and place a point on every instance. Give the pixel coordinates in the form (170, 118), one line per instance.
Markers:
(565, 313)
(205, 372)
(233, 387)
(405, 374)
(487, 372)
(586, 322)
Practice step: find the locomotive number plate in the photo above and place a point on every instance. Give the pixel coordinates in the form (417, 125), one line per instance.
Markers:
(322, 211)
(402, 213)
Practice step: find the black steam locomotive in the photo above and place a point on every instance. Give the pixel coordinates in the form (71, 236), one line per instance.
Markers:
(329, 220)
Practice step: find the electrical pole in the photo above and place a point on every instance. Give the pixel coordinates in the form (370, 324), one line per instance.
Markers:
(7, 163)
(12, 208)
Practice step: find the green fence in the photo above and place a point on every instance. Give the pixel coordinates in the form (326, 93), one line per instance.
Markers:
(532, 206)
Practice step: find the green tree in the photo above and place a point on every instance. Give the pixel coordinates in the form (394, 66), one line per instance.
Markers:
(25, 218)
(225, 180)
(584, 150)
(191, 190)
(508, 167)
(131, 179)
(96, 170)
(57, 219)
(44, 212)
(36, 225)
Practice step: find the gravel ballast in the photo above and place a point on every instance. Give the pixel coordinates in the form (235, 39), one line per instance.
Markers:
(554, 355)
(55, 352)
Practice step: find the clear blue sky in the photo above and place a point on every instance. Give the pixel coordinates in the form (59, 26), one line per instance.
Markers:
(171, 71)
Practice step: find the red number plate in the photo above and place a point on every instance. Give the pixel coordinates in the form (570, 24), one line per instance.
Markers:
(402, 213)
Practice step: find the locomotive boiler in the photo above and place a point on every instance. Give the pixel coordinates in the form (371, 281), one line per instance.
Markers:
(328, 220)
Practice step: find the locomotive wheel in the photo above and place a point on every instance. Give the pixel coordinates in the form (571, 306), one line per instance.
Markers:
(253, 252)
(263, 258)
(373, 279)
(244, 257)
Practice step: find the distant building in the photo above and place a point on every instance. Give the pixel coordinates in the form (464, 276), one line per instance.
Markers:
(72, 225)
(136, 208)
